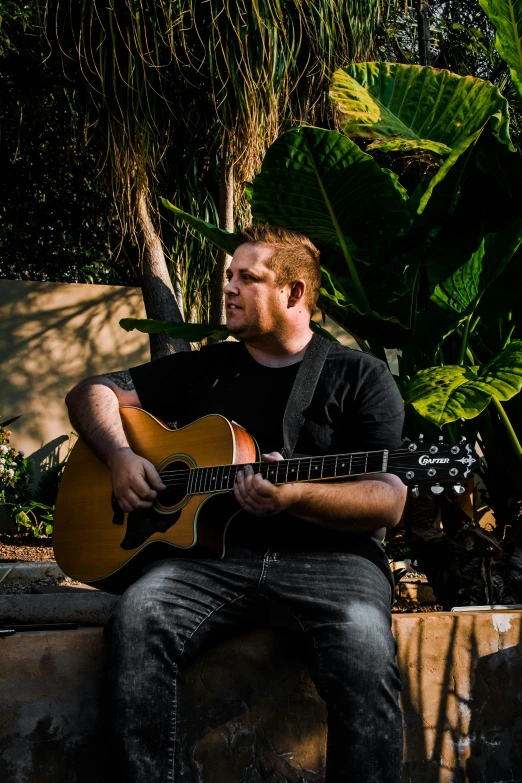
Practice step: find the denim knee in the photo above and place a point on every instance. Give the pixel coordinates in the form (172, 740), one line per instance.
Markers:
(139, 614)
(358, 653)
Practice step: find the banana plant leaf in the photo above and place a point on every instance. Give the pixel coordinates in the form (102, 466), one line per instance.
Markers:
(192, 333)
(224, 240)
(506, 17)
(444, 394)
(195, 333)
(417, 107)
(319, 183)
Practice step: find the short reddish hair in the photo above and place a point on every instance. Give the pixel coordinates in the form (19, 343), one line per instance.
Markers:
(295, 257)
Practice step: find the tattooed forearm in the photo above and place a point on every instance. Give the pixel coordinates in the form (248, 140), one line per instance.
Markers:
(122, 379)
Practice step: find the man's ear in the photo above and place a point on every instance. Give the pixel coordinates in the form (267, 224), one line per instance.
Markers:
(297, 293)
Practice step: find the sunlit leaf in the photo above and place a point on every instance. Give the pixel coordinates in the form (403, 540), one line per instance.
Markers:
(412, 106)
(444, 394)
(432, 109)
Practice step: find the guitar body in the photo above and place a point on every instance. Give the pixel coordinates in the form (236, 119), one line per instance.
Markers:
(97, 543)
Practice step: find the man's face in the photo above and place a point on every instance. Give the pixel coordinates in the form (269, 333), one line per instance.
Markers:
(255, 305)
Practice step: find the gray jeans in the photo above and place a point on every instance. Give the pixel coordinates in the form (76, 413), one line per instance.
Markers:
(340, 601)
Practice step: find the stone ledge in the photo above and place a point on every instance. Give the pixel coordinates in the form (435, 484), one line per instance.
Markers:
(252, 714)
(89, 608)
(19, 573)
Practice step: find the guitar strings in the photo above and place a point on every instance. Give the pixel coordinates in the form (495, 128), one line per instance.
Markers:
(327, 457)
(326, 464)
(179, 481)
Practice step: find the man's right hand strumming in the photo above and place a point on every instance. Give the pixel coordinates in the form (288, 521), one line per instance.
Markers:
(94, 412)
(135, 480)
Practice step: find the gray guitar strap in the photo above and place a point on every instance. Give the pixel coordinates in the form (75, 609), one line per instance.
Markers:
(303, 390)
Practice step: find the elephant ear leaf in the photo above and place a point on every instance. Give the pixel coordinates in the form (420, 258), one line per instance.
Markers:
(416, 107)
(458, 295)
(405, 107)
(224, 240)
(444, 394)
(462, 289)
(506, 17)
(319, 183)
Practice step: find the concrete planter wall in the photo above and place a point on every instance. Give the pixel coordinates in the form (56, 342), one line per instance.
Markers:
(252, 713)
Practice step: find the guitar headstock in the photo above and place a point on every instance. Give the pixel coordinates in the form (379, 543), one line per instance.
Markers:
(418, 462)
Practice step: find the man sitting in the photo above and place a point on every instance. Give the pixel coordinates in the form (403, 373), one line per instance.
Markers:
(314, 549)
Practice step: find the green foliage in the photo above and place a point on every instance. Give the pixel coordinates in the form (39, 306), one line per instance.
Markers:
(445, 394)
(195, 333)
(317, 182)
(58, 222)
(224, 240)
(506, 16)
(14, 15)
(14, 470)
(31, 509)
(410, 107)
(36, 518)
(389, 279)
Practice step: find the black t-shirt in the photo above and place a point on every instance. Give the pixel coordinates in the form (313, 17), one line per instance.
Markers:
(356, 406)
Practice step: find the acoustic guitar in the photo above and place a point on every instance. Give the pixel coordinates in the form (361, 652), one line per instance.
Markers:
(95, 540)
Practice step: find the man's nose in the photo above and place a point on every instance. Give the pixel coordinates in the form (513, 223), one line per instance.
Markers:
(230, 287)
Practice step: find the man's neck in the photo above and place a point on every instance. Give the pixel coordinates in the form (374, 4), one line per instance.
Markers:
(280, 352)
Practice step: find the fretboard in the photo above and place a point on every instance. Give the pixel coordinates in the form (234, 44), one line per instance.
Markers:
(222, 477)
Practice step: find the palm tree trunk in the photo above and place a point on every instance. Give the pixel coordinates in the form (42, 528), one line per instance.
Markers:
(156, 285)
(226, 221)
(423, 29)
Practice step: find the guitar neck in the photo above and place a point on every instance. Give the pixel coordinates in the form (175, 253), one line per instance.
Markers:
(288, 471)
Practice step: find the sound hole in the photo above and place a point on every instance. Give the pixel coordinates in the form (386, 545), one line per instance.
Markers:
(175, 477)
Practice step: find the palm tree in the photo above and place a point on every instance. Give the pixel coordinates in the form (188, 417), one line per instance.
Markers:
(153, 74)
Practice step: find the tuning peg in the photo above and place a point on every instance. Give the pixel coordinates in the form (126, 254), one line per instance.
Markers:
(420, 438)
(458, 489)
(462, 439)
(437, 489)
(441, 438)
(415, 491)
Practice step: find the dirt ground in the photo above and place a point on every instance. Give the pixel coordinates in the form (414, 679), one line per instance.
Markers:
(20, 548)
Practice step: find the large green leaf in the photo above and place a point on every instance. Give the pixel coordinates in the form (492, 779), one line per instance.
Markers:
(461, 291)
(193, 333)
(370, 325)
(416, 107)
(506, 16)
(319, 183)
(444, 394)
(459, 294)
(224, 240)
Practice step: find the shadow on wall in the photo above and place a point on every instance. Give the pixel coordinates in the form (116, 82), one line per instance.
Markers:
(463, 703)
(52, 336)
